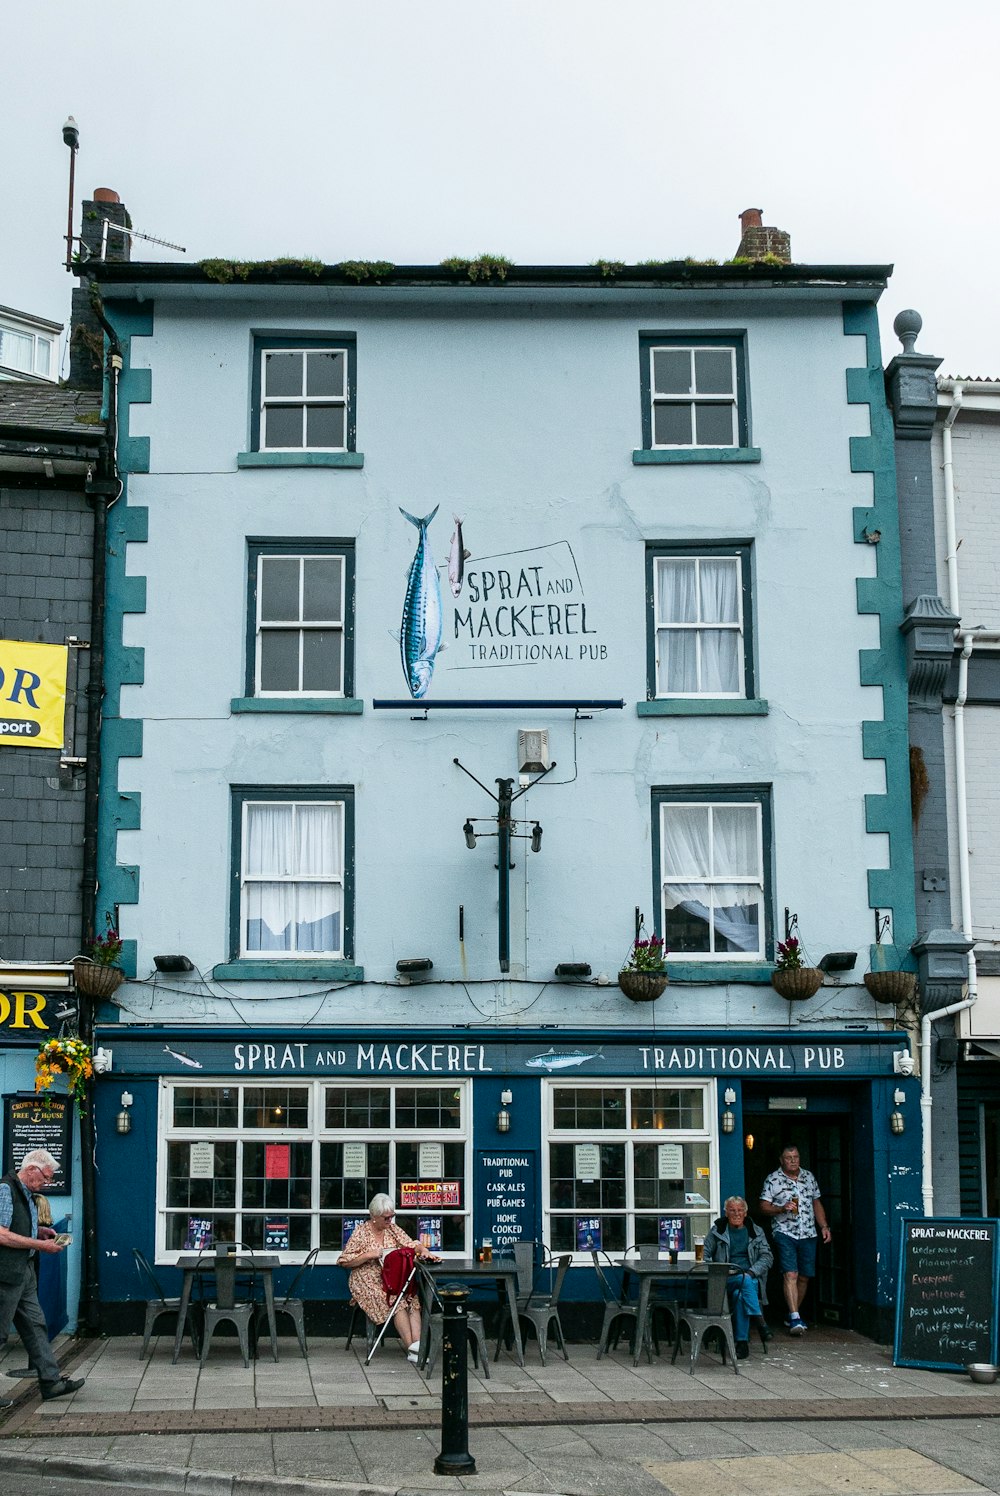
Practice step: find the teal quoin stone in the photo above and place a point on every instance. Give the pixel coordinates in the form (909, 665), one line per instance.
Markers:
(889, 888)
(124, 665)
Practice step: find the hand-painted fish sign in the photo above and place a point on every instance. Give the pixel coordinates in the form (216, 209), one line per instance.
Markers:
(420, 635)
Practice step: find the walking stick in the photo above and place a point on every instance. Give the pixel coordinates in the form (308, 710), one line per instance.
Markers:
(400, 1297)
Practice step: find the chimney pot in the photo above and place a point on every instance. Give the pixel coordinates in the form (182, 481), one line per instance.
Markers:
(106, 195)
(751, 218)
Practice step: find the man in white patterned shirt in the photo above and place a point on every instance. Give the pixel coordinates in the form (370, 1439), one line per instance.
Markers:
(790, 1196)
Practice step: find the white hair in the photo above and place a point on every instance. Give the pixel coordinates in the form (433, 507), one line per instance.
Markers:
(40, 1159)
(380, 1204)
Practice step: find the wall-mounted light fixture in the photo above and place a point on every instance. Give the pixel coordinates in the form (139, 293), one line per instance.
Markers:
(413, 966)
(123, 1122)
(503, 1115)
(173, 964)
(838, 962)
(897, 1124)
(748, 1142)
(728, 1121)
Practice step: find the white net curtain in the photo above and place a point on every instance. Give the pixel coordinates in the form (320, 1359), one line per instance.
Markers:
(293, 878)
(712, 878)
(699, 627)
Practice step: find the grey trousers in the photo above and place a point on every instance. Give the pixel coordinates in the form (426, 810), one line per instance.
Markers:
(19, 1307)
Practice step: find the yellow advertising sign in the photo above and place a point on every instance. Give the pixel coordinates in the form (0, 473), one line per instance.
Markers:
(32, 694)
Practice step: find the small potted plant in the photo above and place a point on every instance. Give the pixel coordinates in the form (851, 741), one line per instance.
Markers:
(96, 974)
(790, 979)
(69, 1057)
(644, 976)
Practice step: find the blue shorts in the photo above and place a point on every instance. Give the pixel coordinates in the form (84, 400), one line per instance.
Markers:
(795, 1255)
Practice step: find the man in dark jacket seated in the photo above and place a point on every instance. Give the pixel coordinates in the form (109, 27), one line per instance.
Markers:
(737, 1240)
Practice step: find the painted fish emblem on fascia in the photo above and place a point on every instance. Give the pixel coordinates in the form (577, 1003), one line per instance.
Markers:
(552, 1061)
(457, 557)
(420, 635)
(185, 1059)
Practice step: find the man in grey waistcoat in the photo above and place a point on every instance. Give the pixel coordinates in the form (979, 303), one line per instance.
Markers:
(21, 1238)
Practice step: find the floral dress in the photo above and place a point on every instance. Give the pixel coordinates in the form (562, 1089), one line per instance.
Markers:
(366, 1280)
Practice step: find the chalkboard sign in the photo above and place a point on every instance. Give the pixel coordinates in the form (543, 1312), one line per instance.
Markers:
(509, 1196)
(946, 1308)
(31, 1122)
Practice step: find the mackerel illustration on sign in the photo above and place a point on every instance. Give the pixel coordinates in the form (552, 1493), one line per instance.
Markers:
(420, 634)
(550, 1060)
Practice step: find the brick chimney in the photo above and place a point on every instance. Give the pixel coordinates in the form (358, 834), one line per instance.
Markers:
(86, 367)
(758, 241)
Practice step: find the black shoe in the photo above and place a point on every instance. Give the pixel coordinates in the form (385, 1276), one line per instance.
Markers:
(20, 1372)
(6, 1402)
(742, 1350)
(62, 1388)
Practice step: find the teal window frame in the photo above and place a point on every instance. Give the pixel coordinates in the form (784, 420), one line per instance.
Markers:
(334, 342)
(258, 546)
(736, 341)
(690, 550)
(727, 965)
(288, 962)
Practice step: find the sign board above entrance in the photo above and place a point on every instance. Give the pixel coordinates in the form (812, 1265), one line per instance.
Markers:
(663, 1061)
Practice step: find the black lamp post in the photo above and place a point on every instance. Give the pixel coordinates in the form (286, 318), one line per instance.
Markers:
(504, 799)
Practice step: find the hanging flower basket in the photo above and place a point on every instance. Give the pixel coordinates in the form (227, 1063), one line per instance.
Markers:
(642, 986)
(70, 1057)
(897, 987)
(796, 983)
(95, 980)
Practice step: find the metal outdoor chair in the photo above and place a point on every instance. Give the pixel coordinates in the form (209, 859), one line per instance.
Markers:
(432, 1332)
(291, 1305)
(618, 1309)
(158, 1304)
(359, 1322)
(542, 1310)
(715, 1316)
(226, 1309)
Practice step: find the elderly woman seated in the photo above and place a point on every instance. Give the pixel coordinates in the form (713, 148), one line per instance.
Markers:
(367, 1249)
(736, 1239)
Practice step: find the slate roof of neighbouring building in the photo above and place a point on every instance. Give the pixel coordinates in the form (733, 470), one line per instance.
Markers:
(50, 408)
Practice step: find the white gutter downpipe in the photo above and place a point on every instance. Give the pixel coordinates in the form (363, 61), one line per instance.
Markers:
(956, 388)
(962, 817)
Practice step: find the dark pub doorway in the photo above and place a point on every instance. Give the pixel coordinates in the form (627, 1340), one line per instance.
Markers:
(823, 1138)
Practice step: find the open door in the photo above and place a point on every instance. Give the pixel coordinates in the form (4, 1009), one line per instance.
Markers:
(824, 1143)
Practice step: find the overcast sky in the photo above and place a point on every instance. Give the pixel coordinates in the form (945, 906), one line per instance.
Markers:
(550, 131)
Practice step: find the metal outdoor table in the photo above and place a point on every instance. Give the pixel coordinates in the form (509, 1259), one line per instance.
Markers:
(500, 1270)
(648, 1270)
(193, 1263)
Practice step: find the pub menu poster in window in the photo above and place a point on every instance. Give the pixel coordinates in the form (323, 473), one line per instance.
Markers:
(588, 1234)
(671, 1234)
(348, 1227)
(429, 1232)
(275, 1236)
(200, 1235)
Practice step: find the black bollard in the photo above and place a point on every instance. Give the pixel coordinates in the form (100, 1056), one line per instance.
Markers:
(454, 1458)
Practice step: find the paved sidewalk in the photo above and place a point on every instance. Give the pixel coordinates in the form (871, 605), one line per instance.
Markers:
(828, 1412)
